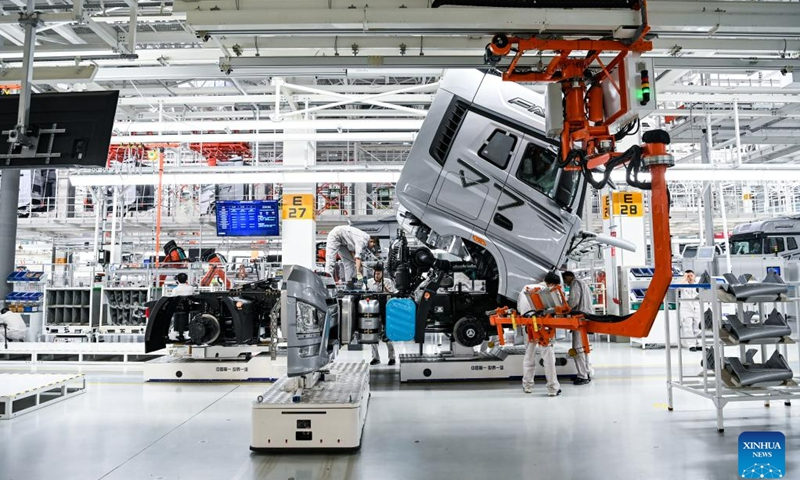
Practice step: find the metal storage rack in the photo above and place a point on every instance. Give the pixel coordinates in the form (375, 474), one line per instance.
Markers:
(716, 385)
(26, 299)
(71, 310)
(123, 310)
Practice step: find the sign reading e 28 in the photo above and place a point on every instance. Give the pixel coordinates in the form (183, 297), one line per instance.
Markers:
(626, 204)
(298, 207)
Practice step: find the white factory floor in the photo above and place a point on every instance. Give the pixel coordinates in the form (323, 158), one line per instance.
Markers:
(618, 427)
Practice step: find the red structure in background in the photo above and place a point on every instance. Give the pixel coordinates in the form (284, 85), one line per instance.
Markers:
(334, 196)
(222, 151)
(212, 152)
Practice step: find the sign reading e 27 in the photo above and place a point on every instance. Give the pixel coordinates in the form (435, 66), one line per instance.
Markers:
(298, 207)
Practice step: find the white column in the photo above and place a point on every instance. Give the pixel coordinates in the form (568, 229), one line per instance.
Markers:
(299, 227)
(623, 217)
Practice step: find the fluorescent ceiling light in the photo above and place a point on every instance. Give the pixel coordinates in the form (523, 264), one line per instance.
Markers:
(52, 74)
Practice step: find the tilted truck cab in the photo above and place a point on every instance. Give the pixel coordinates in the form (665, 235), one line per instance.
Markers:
(482, 178)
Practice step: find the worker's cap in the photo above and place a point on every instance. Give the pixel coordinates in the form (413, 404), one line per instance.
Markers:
(552, 278)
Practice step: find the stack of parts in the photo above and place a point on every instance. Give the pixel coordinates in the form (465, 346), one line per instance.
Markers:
(775, 371)
(126, 307)
(742, 289)
(745, 331)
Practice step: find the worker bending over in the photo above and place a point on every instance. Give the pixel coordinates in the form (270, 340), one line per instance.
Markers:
(579, 300)
(350, 243)
(379, 283)
(12, 326)
(548, 353)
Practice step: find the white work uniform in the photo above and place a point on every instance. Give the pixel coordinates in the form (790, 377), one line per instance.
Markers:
(16, 326)
(183, 290)
(386, 285)
(343, 240)
(690, 317)
(580, 300)
(547, 353)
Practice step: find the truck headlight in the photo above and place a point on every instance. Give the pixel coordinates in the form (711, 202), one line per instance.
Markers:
(309, 318)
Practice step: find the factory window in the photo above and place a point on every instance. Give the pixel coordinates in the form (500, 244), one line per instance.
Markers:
(538, 168)
(791, 243)
(498, 148)
(775, 245)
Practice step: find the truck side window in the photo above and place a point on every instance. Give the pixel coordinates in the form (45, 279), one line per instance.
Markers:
(791, 243)
(538, 169)
(775, 245)
(497, 149)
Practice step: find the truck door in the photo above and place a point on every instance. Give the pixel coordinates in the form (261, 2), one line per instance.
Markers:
(478, 160)
(532, 218)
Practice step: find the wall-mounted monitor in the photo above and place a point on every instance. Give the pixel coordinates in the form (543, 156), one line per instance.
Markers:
(247, 218)
(75, 129)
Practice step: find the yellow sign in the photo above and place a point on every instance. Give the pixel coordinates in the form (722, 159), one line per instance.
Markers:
(630, 204)
(626, 204)
(298, 207)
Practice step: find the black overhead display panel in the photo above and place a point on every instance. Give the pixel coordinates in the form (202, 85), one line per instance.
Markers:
(73, 129)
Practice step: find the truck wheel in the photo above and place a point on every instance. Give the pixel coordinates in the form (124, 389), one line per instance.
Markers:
(469, 332)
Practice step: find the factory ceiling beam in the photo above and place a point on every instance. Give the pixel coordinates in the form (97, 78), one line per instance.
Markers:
(674, 17)
(386, 125)
(383, 173)
(727, 97)
(175, 42)
(768, 154)
(266, 137)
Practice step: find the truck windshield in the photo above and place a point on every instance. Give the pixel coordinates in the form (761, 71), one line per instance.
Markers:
(747, 246)
(539, 170)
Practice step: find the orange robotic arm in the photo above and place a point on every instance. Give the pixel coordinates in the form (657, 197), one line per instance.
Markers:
(586, 144)
(217, 271)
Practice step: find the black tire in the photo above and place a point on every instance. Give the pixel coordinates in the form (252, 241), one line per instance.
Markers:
(469, 332)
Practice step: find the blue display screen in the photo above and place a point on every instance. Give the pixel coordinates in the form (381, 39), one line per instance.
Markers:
(254, 218)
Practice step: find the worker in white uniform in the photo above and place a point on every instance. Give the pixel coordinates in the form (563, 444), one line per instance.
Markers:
(12, 326)
(349, 243)
(547, 353)
(579, 300)
(183, 289)
(690, 313)
(379, 283)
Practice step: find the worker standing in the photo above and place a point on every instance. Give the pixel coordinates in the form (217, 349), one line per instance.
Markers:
(12, 326)
(547, 352)
(379, 283)
(690, 314)
(350, 243)
(579, 300)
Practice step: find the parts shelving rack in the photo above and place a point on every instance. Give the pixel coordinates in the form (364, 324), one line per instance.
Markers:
(715, 385)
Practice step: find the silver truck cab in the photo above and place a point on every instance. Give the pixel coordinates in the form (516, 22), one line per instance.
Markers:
(482, 177)
(774, 236)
